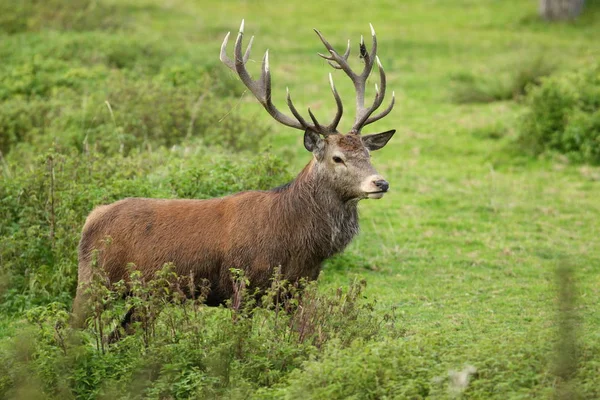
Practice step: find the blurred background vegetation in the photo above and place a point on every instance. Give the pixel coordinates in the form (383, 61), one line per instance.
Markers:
(494, 174)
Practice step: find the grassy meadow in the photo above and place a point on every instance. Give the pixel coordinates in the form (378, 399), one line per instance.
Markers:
(482, 264)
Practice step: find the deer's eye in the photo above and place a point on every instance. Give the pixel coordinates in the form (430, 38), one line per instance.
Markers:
(338, 160)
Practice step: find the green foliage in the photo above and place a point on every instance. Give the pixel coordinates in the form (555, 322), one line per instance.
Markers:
(149, 114)
(20, 120)
(180, 348)
(362, 371)
(74, 98)
(564, 116)
(228, 176)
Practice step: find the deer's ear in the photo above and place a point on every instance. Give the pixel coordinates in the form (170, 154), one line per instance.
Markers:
(377, 140)
(313, 142)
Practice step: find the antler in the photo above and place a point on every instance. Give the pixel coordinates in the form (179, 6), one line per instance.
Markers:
(261, 89)
(363, 115)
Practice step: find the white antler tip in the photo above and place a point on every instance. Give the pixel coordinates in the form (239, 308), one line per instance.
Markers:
(393, 94)
(224, 46)
(267, 60)
(376, 88)
(331, 81)
(378, 62)
(372, 29)
(242, 27)
(362, 39)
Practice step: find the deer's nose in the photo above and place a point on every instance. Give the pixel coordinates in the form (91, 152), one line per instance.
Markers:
(382, 184)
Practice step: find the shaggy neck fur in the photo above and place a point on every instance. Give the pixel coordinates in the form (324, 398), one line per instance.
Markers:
(321, 221)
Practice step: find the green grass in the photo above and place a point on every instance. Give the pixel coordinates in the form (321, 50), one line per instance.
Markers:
(467, 242)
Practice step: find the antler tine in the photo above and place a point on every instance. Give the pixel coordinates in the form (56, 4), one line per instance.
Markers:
(223, 56)
(364, 115)
(345, 57)
(383, 113)
(368, 57)
(247, 52)
(294, 111)
(340, 107)
(240, 67)
(332, 127)
(314, 120)
(265, 76)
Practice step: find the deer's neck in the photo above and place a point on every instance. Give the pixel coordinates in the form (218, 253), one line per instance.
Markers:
(319, 219)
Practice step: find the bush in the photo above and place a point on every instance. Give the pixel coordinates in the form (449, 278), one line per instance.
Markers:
(131, 114)
(117, 93)
(181, 348)
(564, 116)
(362, 370)
(124, 115)
(20, 120)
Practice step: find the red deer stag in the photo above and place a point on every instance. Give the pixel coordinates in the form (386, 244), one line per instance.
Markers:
(296, 226)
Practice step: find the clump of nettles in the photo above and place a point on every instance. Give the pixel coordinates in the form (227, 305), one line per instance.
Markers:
(176, 347)
(564, 116)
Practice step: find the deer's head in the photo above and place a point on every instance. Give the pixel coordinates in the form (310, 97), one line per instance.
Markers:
(342, 160)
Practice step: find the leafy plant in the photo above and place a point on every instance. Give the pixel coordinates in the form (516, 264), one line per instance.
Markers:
(178, 347)
(564, 116)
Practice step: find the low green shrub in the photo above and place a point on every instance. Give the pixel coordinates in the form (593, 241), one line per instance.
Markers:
(20, 120)
(564, 116)
(37, 78)
(223, 82)
(363, 370)
(129, 114)
(119, 94)
(123, 115)
(180, 348)
(116, 90)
